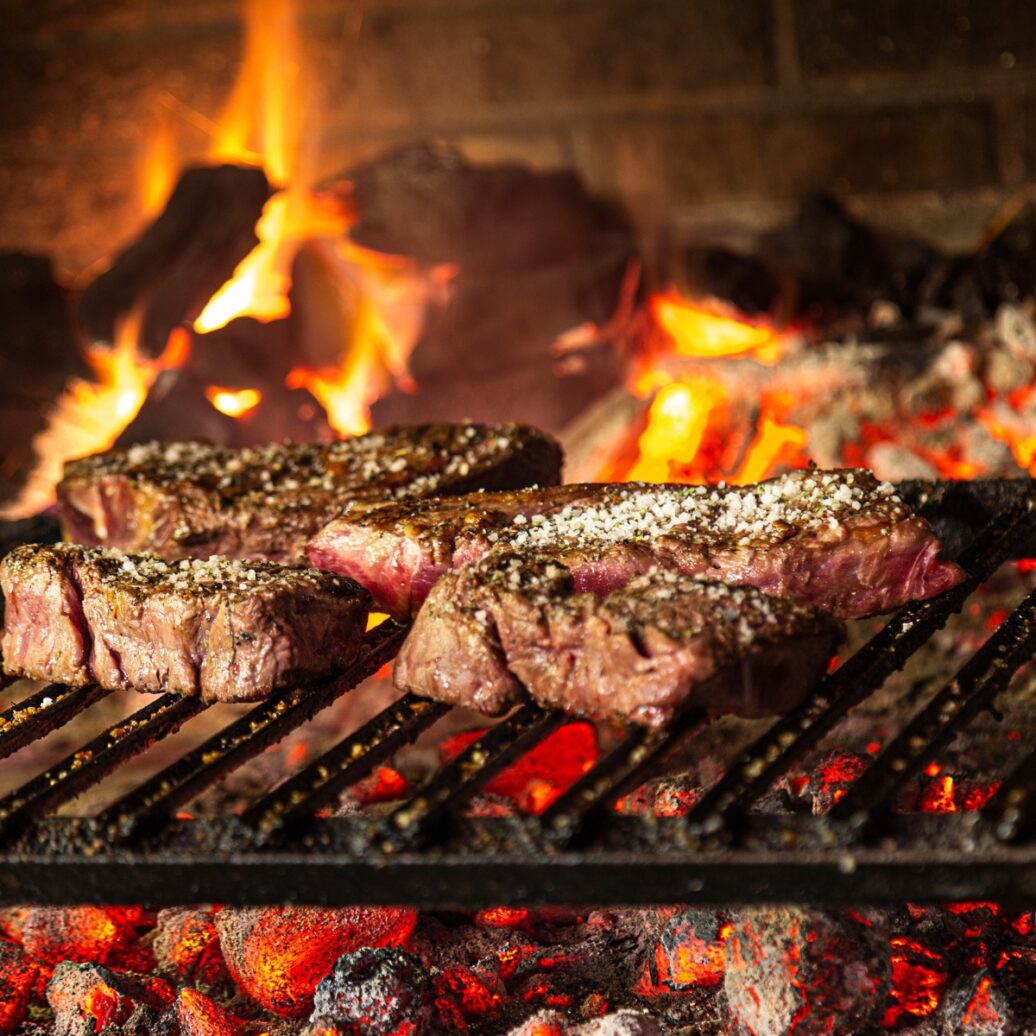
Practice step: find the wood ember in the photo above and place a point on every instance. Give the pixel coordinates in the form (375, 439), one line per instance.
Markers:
(38, 355)
(803, 970)
(20, 982)
(536, 255)
(186, 945)
(182, 258)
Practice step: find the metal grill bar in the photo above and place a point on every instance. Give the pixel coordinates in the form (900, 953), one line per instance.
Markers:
(153, 802)
(414, 822)
(791, 737)
(349, 761)
(95, 760)
(973, 689)
(43, 712)
(625, 767)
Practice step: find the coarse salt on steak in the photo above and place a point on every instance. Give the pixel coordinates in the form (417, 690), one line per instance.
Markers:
(193, 499)
(507, 624)
(224, 630)
(840, 540)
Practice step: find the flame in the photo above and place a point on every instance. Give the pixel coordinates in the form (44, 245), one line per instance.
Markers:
(233, 402)
(710, 329)
(158, 165)
(774, 442)
(262, 124)
(90, 415)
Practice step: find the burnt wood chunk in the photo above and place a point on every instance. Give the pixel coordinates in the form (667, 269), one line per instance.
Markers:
(839, 540)
(193, 499)
(182, 258)
(639, 654)
(222, 630)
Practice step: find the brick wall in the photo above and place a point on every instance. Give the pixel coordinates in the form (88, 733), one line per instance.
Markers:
(690, 110)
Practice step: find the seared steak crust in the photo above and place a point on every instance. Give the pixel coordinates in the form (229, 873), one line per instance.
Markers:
(224, 630)
(194, 500)
(497, 627)
(837, 539)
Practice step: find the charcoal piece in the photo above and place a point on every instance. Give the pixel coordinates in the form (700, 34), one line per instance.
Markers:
(976, 1005)
(38, 354)
(89, 998)
(690, 951)
(306, 942)
(804, 970)
(195, 1014)
(376, 991)
(182, 258)
(537, 255)
(186, 945)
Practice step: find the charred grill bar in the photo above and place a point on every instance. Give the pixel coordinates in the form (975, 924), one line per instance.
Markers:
(426, 852)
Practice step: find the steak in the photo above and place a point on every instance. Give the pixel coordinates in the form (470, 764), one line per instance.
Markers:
(224, 630)
(836, 539)
(509, 624)
(193, 499)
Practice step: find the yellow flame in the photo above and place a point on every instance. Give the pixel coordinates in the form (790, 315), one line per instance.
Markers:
(233, 402)
(773, 441)
(697, 330)
(159, 164)
(677, 422)
(90, 415)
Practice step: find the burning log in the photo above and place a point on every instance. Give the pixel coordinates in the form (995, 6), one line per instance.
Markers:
(804, 971)
(536, 256)
(278, 955)
(175, 266)
(39, 355)
(375, 991)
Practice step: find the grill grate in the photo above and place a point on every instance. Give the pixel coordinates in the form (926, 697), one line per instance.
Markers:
(428, 852)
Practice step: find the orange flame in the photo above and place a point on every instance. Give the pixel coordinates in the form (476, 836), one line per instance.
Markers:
(262, 124)
(90, 415)
(233, 402)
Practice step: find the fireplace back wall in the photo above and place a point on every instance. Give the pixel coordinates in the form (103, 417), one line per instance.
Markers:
(919, 114)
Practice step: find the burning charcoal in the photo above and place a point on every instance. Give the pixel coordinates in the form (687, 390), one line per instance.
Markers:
(186, 943)
(277, 955)
(918, 976)
(19, 982)
(82, 933)
(827, 781)
(376, 991)
(670, 796)
(804, 970)
(689, 953)
(197, 1015)
(85, 998)
(976, 1006)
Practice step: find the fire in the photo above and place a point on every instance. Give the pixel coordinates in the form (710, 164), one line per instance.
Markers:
(90, 415)
(710, 329)
(233, 402)
(693, 432)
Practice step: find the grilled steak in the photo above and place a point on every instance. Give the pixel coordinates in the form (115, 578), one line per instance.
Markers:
(224, 630)
(837, 539)
(194, 500)
(641, 653)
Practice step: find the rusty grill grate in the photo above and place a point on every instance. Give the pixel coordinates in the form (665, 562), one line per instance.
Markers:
(580, 851)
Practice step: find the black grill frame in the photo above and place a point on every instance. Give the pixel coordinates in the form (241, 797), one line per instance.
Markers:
(427, 853)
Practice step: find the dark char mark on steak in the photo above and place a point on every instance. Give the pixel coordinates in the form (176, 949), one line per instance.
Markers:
(840, 540)
(193, 499)
(507, 624)
(224, 630)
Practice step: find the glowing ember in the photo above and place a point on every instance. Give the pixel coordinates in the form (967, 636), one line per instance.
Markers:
(197, 1015)
(558, 760)
(233, 402)
(90, 415)
(711, 329)
(918, 980)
